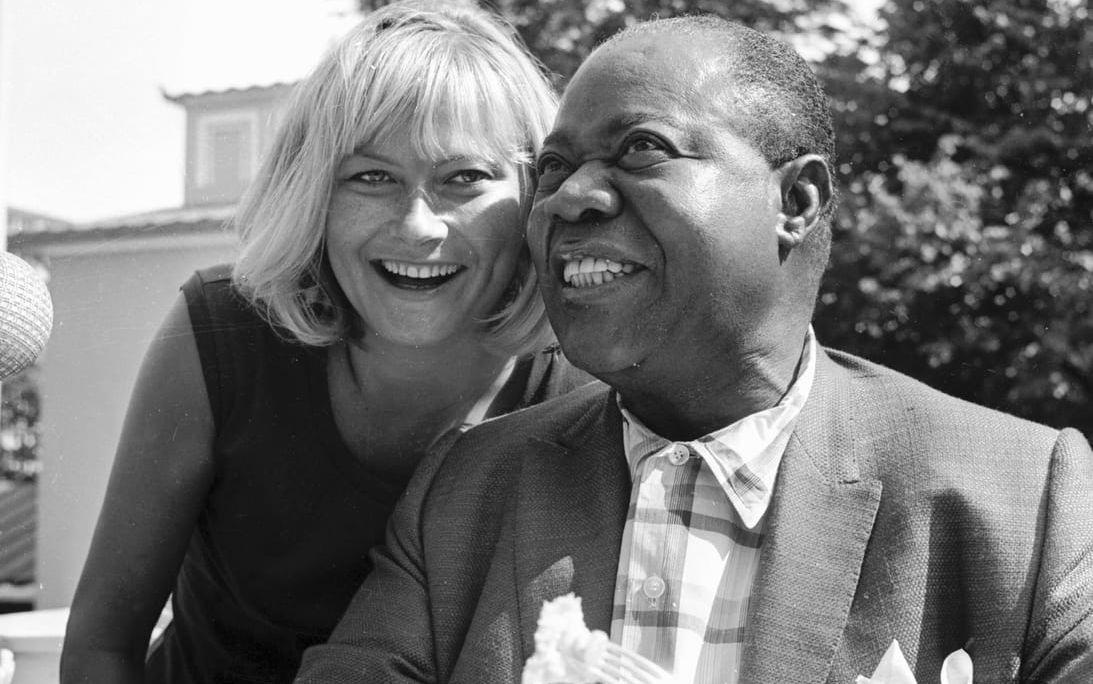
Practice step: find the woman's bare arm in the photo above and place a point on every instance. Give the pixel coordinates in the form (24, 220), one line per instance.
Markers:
(158, 485)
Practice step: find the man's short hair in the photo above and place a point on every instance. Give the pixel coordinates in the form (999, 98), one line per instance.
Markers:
(779, 105)
(784, 110)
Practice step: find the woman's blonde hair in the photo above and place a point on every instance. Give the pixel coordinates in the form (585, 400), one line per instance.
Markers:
(427, 65)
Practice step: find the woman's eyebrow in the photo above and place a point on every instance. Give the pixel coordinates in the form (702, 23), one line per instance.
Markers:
(492, 163)
(369, 154)
(456, 158)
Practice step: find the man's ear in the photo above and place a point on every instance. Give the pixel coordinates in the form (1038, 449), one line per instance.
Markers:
(805, 191)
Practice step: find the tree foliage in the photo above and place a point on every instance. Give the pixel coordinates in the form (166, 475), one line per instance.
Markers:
(20, 409)
(561, 33)
(963, 249)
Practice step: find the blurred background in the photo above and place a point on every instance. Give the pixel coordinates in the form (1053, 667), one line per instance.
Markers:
(962, 254)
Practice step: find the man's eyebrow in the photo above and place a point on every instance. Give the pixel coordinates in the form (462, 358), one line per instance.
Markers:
(617, 125)
(627, 121)
(556, 139)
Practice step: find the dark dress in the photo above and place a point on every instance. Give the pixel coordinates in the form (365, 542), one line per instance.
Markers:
(280, 547)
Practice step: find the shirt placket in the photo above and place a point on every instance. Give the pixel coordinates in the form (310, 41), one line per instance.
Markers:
(659, 550)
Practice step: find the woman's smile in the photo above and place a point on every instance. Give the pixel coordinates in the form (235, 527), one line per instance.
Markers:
(417, 276)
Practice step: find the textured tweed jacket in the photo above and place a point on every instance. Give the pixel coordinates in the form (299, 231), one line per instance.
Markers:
(898, 513)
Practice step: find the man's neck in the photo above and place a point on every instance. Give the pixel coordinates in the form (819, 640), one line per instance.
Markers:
(687, 401)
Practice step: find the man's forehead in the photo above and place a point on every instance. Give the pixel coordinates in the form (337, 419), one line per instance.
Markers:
(661, 61)
(642, 79)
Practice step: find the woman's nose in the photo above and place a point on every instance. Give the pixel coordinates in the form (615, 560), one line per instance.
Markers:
(586, 195)
(420, 225)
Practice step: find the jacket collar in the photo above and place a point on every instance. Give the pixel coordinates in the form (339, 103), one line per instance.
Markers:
(572, 508)
(574, 494)
(820, 523)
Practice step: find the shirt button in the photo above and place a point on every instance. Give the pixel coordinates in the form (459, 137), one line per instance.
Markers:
(653, 587)
(678, 455)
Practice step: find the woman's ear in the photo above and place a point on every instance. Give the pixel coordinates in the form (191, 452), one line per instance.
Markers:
(805, 191)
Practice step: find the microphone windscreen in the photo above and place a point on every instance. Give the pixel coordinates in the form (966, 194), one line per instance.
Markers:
(26, 314)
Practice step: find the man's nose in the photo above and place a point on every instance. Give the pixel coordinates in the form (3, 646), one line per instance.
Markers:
(586, 195)
(420, 225)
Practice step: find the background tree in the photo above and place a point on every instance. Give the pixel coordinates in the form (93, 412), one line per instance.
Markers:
(561, 33)
(964, 242)
(19, 413)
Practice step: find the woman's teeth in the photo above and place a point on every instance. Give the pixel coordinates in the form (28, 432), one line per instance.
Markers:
(418, 270)
(589, 271)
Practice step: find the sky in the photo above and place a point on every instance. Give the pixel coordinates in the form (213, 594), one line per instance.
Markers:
(88, 134)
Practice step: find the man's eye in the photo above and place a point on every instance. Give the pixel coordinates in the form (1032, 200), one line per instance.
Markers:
(643, 145)
(551, 171)
(549, 165)
(641, 151)
(373, 177)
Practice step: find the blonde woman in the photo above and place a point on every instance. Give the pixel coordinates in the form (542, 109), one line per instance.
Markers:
(383, 298)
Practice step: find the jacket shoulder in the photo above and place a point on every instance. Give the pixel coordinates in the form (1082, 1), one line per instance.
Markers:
(493, 451)
(547, 421)
(905, 399)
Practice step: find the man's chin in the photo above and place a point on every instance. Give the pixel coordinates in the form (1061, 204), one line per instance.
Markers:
(599, 359)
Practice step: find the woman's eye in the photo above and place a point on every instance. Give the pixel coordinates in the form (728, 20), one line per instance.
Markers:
(469, 177)
(373, 177)
(642, 151)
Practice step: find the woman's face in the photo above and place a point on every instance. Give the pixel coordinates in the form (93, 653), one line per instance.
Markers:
(423, 247)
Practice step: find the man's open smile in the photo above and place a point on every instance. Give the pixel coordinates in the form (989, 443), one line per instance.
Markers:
(588, 271)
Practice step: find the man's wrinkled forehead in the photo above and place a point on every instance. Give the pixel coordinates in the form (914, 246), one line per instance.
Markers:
(681, 67)
(639, 79)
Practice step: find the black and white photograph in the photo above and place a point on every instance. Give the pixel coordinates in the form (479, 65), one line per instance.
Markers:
(556, 342)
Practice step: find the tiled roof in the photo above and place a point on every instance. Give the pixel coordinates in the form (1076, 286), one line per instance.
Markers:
(162, 217)
(179, 97)
(177, 219)
(23, 221)
(18, 525)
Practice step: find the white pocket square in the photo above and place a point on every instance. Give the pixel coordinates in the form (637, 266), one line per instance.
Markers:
(893, 668)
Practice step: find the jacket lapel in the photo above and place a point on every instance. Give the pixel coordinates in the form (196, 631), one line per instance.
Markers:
(820, 521)
(572, 507)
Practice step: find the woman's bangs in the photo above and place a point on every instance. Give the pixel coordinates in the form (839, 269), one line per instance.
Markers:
(449, 97)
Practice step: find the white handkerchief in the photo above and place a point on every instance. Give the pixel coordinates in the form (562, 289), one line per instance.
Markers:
(957, 668)
(893, 668)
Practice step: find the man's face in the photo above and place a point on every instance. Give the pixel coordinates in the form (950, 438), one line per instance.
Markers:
(653, 224)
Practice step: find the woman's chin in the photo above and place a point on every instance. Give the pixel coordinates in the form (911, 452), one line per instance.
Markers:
(418, 335)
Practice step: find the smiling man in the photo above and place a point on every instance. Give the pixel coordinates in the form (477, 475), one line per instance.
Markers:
(739, 504)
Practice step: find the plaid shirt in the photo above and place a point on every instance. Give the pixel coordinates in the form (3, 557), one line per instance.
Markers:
(690, 547)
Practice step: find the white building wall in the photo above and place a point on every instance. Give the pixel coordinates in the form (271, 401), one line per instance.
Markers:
(109, 300)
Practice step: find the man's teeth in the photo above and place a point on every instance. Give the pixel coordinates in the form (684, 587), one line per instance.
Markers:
(419, 270)
(590, 271)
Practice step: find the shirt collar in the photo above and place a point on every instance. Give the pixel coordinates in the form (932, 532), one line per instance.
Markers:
(743, 456)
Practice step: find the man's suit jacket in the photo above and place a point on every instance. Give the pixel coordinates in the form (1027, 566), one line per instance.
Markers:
(898, 513)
